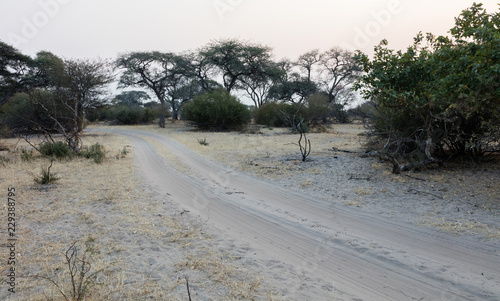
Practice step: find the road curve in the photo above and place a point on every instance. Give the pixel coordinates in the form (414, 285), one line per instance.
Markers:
(333, 249)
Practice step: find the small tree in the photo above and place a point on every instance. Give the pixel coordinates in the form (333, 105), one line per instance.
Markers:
(305, 148)
(71, 88)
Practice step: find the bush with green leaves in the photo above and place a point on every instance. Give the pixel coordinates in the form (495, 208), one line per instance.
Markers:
(57, 149)
(46, 176)
(440, 98)
(217, 110)
(318, 109)
(95, 151)
(129, 115)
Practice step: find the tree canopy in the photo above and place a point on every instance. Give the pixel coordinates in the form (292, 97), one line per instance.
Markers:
(15, 69)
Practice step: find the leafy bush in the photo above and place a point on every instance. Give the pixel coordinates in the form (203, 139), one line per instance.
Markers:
(217, 110)
(55, 149)
(440, 98)
(130, 115)
(317, 109)
(276, 114)
(127, 115)
(46, 177)
(95, 151)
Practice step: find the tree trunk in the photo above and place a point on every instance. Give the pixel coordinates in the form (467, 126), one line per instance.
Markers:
(161, 122)
(74, 141)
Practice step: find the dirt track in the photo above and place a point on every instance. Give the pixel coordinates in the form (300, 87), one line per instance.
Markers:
(313, 249)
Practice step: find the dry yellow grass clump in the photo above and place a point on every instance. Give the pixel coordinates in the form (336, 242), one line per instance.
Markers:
(141, 243)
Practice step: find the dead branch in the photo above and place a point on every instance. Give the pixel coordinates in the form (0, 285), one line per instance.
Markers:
(343, 151)
(425, 192)
(187, 285)
(305, 149)
(397, 168)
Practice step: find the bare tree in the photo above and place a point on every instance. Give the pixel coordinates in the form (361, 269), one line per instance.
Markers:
(337, 72)
(307, 61)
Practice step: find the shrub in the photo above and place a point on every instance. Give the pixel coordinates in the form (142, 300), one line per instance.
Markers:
(440, 98)
(95, 151)
(317, 109)
(127, 115)
(46, 177)
(217, 110)
(55, 149)
(275, 114)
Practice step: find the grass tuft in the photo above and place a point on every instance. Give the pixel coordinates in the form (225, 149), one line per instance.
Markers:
(95, 151)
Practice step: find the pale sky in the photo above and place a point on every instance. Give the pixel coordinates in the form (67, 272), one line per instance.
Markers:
(105, 28)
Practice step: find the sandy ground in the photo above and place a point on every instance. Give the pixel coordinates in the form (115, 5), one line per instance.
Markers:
(342, 219)
(457, 199)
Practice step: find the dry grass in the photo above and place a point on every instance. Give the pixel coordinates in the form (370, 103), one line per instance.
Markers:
(269, 153)
(130, 225)
(461, 227)
(221, 270)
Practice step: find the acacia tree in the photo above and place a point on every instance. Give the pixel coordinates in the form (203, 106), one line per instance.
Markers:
(146, 69)
(290, 86)
(237, 62)
(15, 71)
(297, 81)
(441, 96)
(132, 98)
(169, 76)
(202, 71)
(259, 85)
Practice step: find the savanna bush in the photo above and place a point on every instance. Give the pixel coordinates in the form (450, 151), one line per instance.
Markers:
(57, 149)
(128, 115)
(276, 114)
(440, 98)
(95, 151)
(216, 110)
(317, 109)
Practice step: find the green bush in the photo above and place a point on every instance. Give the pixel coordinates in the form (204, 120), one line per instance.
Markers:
(317, 109)
(275, 114)
(55, 149)
(216, 111)
(46, 177)
(95, 151)
(440, 98)
(127, 115)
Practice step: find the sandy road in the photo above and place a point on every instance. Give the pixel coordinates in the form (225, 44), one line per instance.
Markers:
(328, 251)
